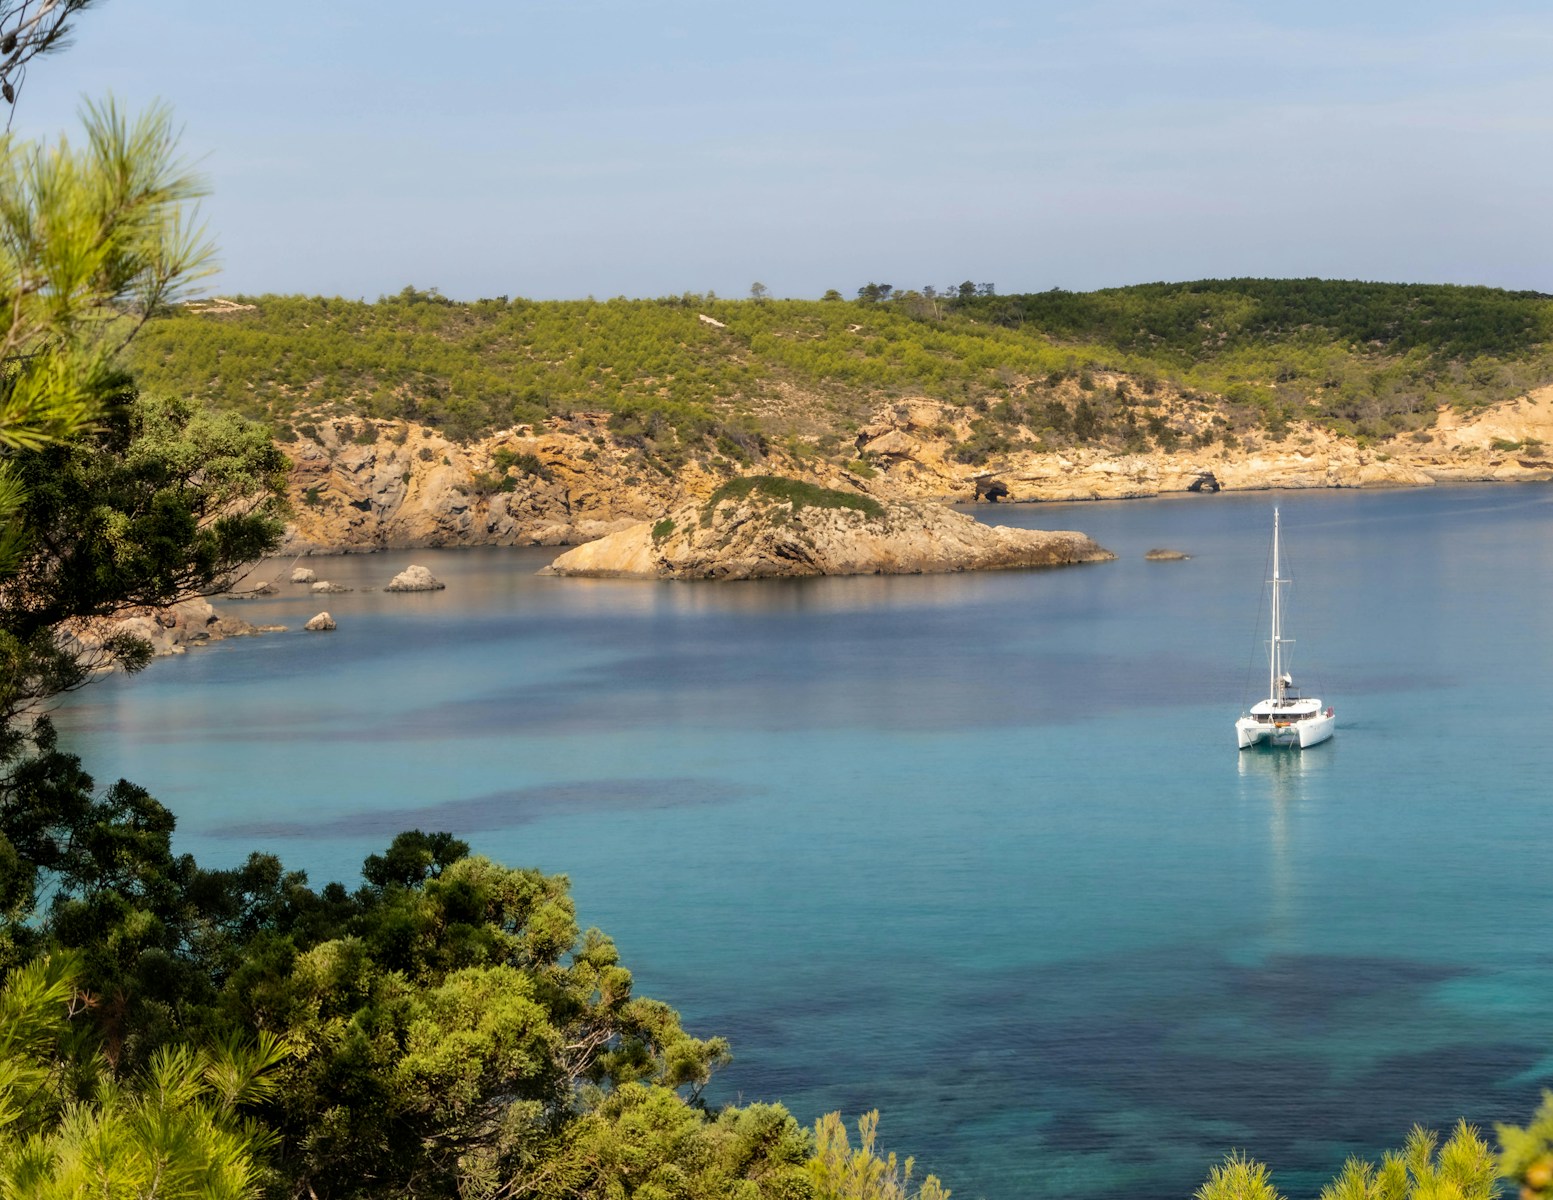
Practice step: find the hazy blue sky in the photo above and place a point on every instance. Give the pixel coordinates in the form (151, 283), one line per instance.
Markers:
(575, 147)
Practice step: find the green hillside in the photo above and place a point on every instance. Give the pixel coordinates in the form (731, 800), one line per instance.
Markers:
(1369, 360)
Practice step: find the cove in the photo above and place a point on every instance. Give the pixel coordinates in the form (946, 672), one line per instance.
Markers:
(977, 850)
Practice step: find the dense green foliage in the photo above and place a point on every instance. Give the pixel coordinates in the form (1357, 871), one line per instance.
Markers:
(92, 242)
(156, 503)
(1365, 358)
(1196, 322)
(180, 1130)
(1462, 1169)
(793, 492)
(1527, 1152)
(839, 1170)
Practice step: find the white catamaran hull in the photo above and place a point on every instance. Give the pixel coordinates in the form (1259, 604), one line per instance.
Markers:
(1310, 732)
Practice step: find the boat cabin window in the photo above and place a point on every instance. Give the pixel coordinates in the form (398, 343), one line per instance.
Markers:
(1284, 715)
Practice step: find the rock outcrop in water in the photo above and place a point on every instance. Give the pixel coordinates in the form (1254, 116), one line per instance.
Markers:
(761, 527)
(415, 578)
(166, 630)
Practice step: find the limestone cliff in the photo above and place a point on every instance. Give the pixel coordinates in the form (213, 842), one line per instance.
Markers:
(372, 484)
(773, 529)
(913, 444)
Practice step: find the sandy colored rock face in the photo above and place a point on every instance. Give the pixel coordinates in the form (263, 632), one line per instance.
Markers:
(912, 445)
(369, 485)
(322, 623)
(374, 485)
(759, 538)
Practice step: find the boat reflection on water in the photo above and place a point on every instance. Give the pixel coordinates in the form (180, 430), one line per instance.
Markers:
(1268, 774)
(1282, 771)
(1280, 787)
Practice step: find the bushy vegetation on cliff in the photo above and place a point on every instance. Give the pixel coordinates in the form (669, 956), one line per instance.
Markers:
(1198, 322)
(793, 492)
(1365, 359)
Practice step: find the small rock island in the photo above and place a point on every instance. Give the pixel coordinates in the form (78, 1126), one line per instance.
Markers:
(414, 578)
(767, 527)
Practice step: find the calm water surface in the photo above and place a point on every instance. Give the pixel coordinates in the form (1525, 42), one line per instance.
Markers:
(976, 850)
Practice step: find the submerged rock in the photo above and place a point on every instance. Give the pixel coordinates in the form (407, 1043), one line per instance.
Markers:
(762, 527)
(1160, 555)
(324, 588)
(415, 578)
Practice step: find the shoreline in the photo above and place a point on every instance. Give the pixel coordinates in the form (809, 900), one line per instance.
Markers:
(1207, 497)
(293, 552)
(410, 488)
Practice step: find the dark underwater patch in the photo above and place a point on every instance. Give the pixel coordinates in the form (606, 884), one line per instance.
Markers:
(785, 693)
(1306, 987)
(501, 810)
(1196, 1056)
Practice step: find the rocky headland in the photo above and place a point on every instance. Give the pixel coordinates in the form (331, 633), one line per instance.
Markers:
(762, 527)
(174, 630)
(365, 484)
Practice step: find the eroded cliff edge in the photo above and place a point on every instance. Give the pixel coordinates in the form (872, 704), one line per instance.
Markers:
(361, 484)
(768, 528)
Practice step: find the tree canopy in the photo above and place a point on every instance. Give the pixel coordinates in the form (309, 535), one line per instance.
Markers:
(106, 499)
(93, 240)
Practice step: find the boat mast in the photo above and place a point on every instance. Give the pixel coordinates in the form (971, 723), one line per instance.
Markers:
(1275, 648)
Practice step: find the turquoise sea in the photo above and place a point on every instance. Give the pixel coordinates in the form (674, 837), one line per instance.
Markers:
(977, 850)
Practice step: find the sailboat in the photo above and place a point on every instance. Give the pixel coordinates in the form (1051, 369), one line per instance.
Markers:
(1285, 718)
